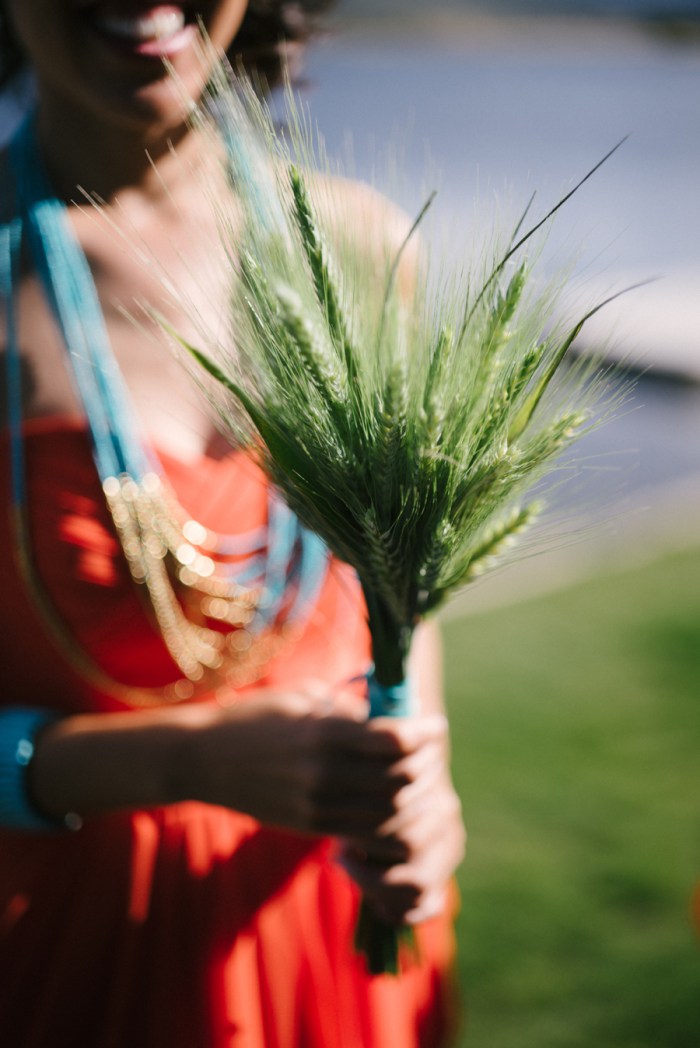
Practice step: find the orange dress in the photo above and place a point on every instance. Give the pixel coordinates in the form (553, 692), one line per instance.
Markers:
(187, 926)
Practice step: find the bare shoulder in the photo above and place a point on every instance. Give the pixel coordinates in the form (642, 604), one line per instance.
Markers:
(361, 201)
(375, 226)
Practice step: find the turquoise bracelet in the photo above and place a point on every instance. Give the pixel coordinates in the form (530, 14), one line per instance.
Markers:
(19, 727)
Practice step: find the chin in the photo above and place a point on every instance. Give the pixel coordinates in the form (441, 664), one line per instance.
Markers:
(148, 105)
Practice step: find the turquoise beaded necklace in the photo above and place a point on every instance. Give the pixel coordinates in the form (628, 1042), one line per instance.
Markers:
(260, 584)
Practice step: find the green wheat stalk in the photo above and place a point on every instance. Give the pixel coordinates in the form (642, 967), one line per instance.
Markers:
(407, 434)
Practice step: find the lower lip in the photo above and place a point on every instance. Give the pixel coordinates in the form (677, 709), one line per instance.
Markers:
(159, 47)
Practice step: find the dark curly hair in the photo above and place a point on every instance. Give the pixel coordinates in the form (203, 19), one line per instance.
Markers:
(270, 36)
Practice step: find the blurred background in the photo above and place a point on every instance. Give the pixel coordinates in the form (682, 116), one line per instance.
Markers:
(573, 678)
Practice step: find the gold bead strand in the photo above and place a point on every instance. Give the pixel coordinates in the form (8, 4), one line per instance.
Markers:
(192, 647)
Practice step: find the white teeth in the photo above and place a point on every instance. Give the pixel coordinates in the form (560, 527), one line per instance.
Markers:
(158, 25)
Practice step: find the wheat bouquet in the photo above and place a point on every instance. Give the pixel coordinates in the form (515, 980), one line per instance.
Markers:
(405, 431)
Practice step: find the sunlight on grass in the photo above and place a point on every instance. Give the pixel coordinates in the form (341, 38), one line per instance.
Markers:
(576, 734)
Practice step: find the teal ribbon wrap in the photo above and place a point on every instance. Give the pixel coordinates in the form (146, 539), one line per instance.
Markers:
(393, 700)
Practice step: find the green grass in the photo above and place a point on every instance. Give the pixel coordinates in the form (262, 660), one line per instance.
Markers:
(576, 751)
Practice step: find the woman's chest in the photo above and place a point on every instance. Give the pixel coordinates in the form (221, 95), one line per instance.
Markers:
(186, 287)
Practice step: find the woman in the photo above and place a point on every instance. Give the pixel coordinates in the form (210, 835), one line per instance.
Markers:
(201, 901)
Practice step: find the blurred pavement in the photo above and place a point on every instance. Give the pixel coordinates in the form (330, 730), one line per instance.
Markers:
(508, 106)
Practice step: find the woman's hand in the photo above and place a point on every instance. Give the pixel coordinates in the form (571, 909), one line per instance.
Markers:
(404, 866)
(311, 763)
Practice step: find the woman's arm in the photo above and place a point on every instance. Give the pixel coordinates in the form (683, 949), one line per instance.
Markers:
(94, 763)
(425, 668)
(302, 760)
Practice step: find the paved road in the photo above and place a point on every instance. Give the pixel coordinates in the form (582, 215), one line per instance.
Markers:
(534, 107)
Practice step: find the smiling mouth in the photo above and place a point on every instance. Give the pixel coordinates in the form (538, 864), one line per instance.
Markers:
(158, 30)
